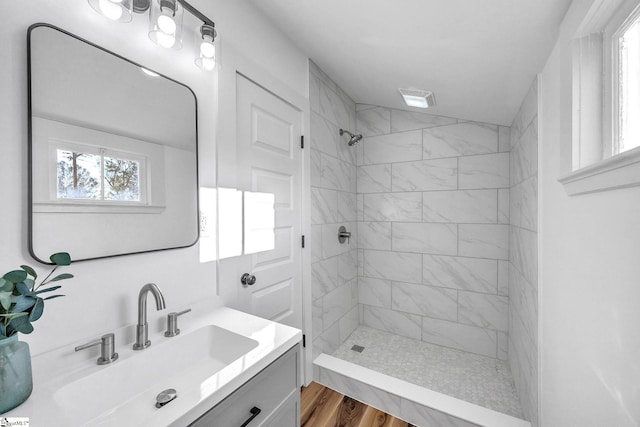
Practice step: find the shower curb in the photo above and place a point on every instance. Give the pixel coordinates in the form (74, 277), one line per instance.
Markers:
(412, 403)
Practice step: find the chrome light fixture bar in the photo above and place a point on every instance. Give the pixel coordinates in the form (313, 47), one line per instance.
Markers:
(165, 24)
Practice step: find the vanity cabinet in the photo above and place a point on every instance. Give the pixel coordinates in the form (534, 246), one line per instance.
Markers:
(275, 391)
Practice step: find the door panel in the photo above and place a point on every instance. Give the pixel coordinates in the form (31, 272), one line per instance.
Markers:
(269, 160)
(281, 253)
(274, 302)
(281, 184)
(270, 133)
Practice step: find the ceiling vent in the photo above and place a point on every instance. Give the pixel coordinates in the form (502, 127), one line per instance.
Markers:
(418, 98)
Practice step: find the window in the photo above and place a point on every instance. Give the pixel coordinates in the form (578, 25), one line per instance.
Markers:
(82, 175)
(606, 99)
(100, 175)
(627, 74)
(79, 169)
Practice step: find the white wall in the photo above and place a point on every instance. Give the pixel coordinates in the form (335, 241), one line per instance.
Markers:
(589, 274)
(246, 30)
(102, 297)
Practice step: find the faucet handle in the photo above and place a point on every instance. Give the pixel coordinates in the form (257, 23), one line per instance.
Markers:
(107, 348)
(343, 234)
(172, 323)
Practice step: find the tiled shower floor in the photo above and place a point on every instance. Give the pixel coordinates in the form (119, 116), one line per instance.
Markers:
(477, 379)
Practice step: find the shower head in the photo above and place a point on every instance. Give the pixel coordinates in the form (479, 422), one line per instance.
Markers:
(353, 139)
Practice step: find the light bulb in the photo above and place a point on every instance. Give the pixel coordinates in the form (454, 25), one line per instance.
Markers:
(207, 49)
(111, 9)
(166, 24)
(165, 40)
(208, 64)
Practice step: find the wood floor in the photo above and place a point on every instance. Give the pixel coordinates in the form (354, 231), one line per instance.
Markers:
(322, 407)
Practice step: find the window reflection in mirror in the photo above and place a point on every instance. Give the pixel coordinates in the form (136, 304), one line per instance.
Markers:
(104, 176)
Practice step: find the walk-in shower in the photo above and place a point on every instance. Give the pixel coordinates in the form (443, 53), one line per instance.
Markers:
(426, 312)
(353, 138)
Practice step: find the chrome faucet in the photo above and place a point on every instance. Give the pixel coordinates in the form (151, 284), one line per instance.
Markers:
(142, 329)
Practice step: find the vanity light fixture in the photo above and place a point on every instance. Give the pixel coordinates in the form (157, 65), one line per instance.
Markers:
(165, 24)
(418, 98)
(205, 40)
(116, 10)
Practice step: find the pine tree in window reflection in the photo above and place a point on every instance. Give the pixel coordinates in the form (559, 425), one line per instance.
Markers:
(121, 179)
(75, 177)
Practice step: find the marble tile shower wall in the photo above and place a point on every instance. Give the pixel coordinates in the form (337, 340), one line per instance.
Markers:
(523, 256)
(333, 203)
(433, 228)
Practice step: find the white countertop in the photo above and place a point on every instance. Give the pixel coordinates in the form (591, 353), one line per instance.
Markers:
(50, 375)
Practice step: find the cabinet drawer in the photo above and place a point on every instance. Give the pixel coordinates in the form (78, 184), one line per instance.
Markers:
(288, 414)
(267, 391)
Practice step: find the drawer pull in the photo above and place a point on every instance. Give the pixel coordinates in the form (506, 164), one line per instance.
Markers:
(255, 411)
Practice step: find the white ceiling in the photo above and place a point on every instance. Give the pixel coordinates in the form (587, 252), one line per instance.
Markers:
(478, 56)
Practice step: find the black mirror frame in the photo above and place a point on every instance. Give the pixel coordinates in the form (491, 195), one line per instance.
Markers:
(30, 148)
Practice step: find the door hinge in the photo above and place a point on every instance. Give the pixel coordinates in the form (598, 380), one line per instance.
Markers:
(301, 141)
(303, 242)
(304, 340)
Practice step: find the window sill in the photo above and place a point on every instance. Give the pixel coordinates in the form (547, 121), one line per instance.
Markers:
(79, 207)
(620, 171)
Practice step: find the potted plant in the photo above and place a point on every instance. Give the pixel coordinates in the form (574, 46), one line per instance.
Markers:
(21, 304)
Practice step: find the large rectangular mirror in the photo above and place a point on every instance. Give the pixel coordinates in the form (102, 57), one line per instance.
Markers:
(112, 152)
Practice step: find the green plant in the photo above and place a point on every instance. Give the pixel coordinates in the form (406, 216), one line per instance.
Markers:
(21, 301)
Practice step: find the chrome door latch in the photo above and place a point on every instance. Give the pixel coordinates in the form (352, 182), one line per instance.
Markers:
(248, 279)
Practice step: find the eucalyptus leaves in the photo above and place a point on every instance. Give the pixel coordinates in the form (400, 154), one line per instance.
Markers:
(21, 301)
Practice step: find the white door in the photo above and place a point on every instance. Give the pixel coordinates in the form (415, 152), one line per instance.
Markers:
(269, 160)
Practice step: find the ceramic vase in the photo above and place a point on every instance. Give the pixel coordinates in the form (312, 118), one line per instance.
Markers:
(16, 381)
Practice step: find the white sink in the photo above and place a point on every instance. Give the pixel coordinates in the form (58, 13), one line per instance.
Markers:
(126, 390)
